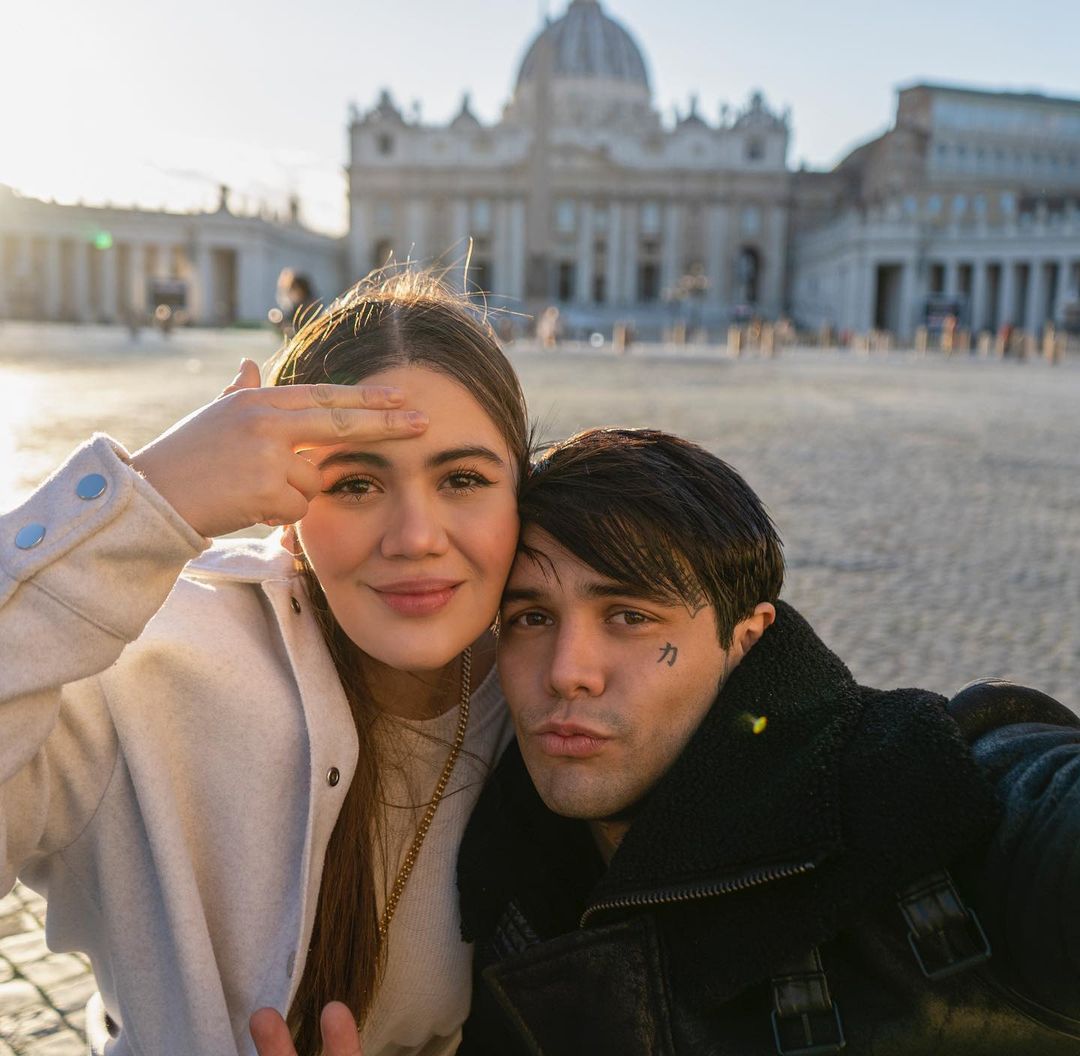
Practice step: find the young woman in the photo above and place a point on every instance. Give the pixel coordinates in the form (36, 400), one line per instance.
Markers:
(240, 778)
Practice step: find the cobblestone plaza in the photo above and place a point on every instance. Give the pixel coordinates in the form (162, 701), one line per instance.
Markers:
(930, 510)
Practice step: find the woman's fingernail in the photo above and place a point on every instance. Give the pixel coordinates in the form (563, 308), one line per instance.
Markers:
(417, 418)
(392, 395)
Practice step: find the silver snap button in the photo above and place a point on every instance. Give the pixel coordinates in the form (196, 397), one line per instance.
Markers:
(91, 486)
(333, 776)
(295, 605)
(290, 964)
(29, 536)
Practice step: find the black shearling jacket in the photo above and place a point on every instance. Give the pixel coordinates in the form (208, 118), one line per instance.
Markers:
(754, 851)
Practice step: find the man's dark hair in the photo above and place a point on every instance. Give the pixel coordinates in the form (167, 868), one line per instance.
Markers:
(659, 515)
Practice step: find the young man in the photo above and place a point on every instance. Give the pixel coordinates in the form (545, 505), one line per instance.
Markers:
(710, 839)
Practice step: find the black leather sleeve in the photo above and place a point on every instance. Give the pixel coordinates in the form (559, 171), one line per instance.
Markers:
(1029, 887)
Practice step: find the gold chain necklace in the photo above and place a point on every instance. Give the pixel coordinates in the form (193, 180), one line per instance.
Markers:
(396, 891)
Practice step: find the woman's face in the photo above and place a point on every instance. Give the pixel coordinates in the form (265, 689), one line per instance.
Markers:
(412, 540)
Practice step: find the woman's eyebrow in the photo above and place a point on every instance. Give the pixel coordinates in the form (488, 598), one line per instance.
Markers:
(349, 458)
(440, 458)
(454, 454)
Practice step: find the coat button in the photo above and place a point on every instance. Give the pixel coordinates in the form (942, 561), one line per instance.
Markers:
(29, 536)
(295, 605)
(91, 486)
(333, 776)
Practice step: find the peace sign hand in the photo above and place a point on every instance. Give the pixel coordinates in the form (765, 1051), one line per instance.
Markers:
(236, 461)
(339, 1034)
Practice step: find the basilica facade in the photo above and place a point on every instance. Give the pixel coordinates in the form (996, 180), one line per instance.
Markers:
(580, 196)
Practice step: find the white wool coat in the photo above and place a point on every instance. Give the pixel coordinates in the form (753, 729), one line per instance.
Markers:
(173, 797)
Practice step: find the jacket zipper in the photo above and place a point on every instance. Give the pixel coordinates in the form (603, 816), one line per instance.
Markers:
(753, 878)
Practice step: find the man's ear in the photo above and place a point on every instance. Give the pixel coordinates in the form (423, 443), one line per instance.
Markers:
(748, 631)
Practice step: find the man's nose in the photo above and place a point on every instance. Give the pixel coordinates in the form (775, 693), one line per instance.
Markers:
(414, 528)
(576, 667)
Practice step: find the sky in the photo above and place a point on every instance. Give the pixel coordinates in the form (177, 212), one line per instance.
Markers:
(156, 104)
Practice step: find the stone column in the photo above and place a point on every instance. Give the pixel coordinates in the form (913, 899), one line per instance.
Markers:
(500, 245)
(5, 279)
(1034, 316)
(772, 290)
(1065, 289)
(978, 296)
(516, 286)
(864, 292)
(671, 265)
(204, 311)
(416, 238)
(1007, 297)
(137, 279)
(80, 280)
(254, 291)
(585, 254)
(616, 268)
(716, 254)
(631, 217)
(909, 283)
(360, 247)
(459, 241)
(107, 309)
(51, 297)
(952, 273)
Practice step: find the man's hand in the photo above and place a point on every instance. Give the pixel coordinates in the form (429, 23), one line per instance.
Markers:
(236, 461)
(339, 1034)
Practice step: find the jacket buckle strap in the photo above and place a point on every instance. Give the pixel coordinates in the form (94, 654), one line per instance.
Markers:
(805, 1020)
(945, 935)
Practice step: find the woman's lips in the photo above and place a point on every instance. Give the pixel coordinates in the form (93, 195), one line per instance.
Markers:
(417, 598)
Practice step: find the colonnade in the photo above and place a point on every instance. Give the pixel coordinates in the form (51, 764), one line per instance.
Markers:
(70, 279)
(608, 245)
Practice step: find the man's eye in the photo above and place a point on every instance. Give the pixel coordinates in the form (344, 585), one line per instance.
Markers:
(529, 619)
(630, 617)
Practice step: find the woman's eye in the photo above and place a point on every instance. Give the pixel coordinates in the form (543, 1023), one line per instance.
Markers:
(356, 487)
(466, 480)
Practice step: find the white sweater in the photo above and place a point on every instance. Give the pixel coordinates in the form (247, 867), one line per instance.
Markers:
(167, 728)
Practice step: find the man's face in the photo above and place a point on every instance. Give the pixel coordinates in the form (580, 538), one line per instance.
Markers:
(605, 687)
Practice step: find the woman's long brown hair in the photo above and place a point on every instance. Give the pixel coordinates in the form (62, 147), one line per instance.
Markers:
(386, 321)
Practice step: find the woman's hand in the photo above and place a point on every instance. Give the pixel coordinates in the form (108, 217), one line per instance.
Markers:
(235, 462)
(339, 1033)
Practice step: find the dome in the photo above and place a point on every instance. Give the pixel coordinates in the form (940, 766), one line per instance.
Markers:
(586, 43)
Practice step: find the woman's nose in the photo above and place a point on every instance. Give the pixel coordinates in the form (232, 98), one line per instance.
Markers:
(414, 529)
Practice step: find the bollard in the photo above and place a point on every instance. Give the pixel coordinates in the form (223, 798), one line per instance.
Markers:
(1048, 342)
(921, 340)
(734, 341)
(986, 341)
(768, 341)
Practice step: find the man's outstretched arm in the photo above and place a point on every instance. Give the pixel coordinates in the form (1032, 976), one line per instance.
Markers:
(1028, 892)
